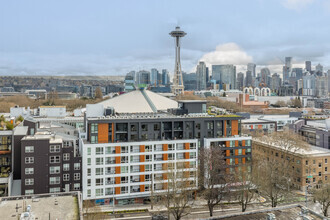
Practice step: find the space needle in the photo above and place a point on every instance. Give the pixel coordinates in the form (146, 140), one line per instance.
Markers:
(177, 87)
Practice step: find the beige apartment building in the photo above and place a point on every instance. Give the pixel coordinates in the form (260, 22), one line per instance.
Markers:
(310, 166)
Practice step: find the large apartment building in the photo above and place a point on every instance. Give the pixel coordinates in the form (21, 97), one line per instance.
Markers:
(49, 164)
(128, 156)
(310, 166)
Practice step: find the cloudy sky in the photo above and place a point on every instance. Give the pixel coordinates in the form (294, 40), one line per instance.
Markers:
(107, 37)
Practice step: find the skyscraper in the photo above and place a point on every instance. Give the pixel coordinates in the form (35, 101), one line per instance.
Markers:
(308, 66)
(319, 69)
(142, 77)
(201, 76)
(177, 87)
(252, 67)
(240, 81)
(225, 75)
(275, 82)
(165, 77)
(248, 78)
(154, 77)
(265, 73)
(287, 68)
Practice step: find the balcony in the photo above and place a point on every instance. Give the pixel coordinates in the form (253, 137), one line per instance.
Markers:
(135, 189)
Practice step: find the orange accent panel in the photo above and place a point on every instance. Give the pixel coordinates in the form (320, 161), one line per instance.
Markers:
(117, 190)
(164, 166)
(113, 132)
(228, 161)
(243, 160)
(236, 153)
(165, 147)
(142, 148)
(243, 143)
(186, 164)
(165, 157)
(5, 152)
(227, 153)
(186, 155)
(186, 146)
(117, 180)
(243, 152)
(103, 133)
(259, 126)
(117, 149)
(224, 128)
(117, 160)
(236, 143)
(236, 161)
(117, 170)
(142, 188)
(234, 127)
(142, 158)
(227, 144)
(142, 178)
(164, 176)
(142, 168)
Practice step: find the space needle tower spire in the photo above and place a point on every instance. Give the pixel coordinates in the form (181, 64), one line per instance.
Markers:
(177, 87)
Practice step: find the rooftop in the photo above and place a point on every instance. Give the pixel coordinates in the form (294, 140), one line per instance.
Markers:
(50, 206)
(140, 101)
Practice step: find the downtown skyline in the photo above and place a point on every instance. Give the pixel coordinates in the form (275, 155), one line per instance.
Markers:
(113, 38)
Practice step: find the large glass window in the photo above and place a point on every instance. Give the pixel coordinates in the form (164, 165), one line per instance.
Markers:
(29, 149)
(94, 128)
(54, 180)
(54, 148)
(54, 170)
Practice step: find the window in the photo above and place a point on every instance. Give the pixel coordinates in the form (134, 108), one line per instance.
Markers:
(54, 148)
(54, 189)
(98, 192)
(94, 139)
(29, 182)
(54, 170)
(76, 166)
(54, 159)
(298, 161)
(89, 171)
(89, 182)
(99, 161)
(124, 169)
(99, 150)
(313, 161)
(29, 191)
(29, 149)
(54, 180)
(306, 162)
(325, 160)
(89, 193)
(76, 186)
(124, 189)
(124, 150)
(99, 182)
(76, 176)
(89, 151)
(29, 160)
(29, 171)
(66, 156)
(66, 177)
(94, 128)
(66, 167)
(320, 164)
(144, 127)
(99, 171)
(320, 174)
(89, 161)
(326, 169)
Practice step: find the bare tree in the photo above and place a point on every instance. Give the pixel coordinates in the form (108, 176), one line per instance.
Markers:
(98, 93)
(273, 173)
(178, 198)
(245, 189)
(322, 196)
(213, 177)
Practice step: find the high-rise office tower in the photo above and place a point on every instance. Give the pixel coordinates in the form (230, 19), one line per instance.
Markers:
(240, 81)
(177, 87)
(252, 67)
(287, 68)
(207, 75)
(225, 76)
(276, 82)
(297, 72)
(165, 77)
(248, 79)
(319, 69)
(265, 73)
(154, 77)
(142, 77)
(201, 76)
(308, 66)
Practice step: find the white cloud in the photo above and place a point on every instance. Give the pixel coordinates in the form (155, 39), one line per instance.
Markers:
(296, 4)
(229, 53)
